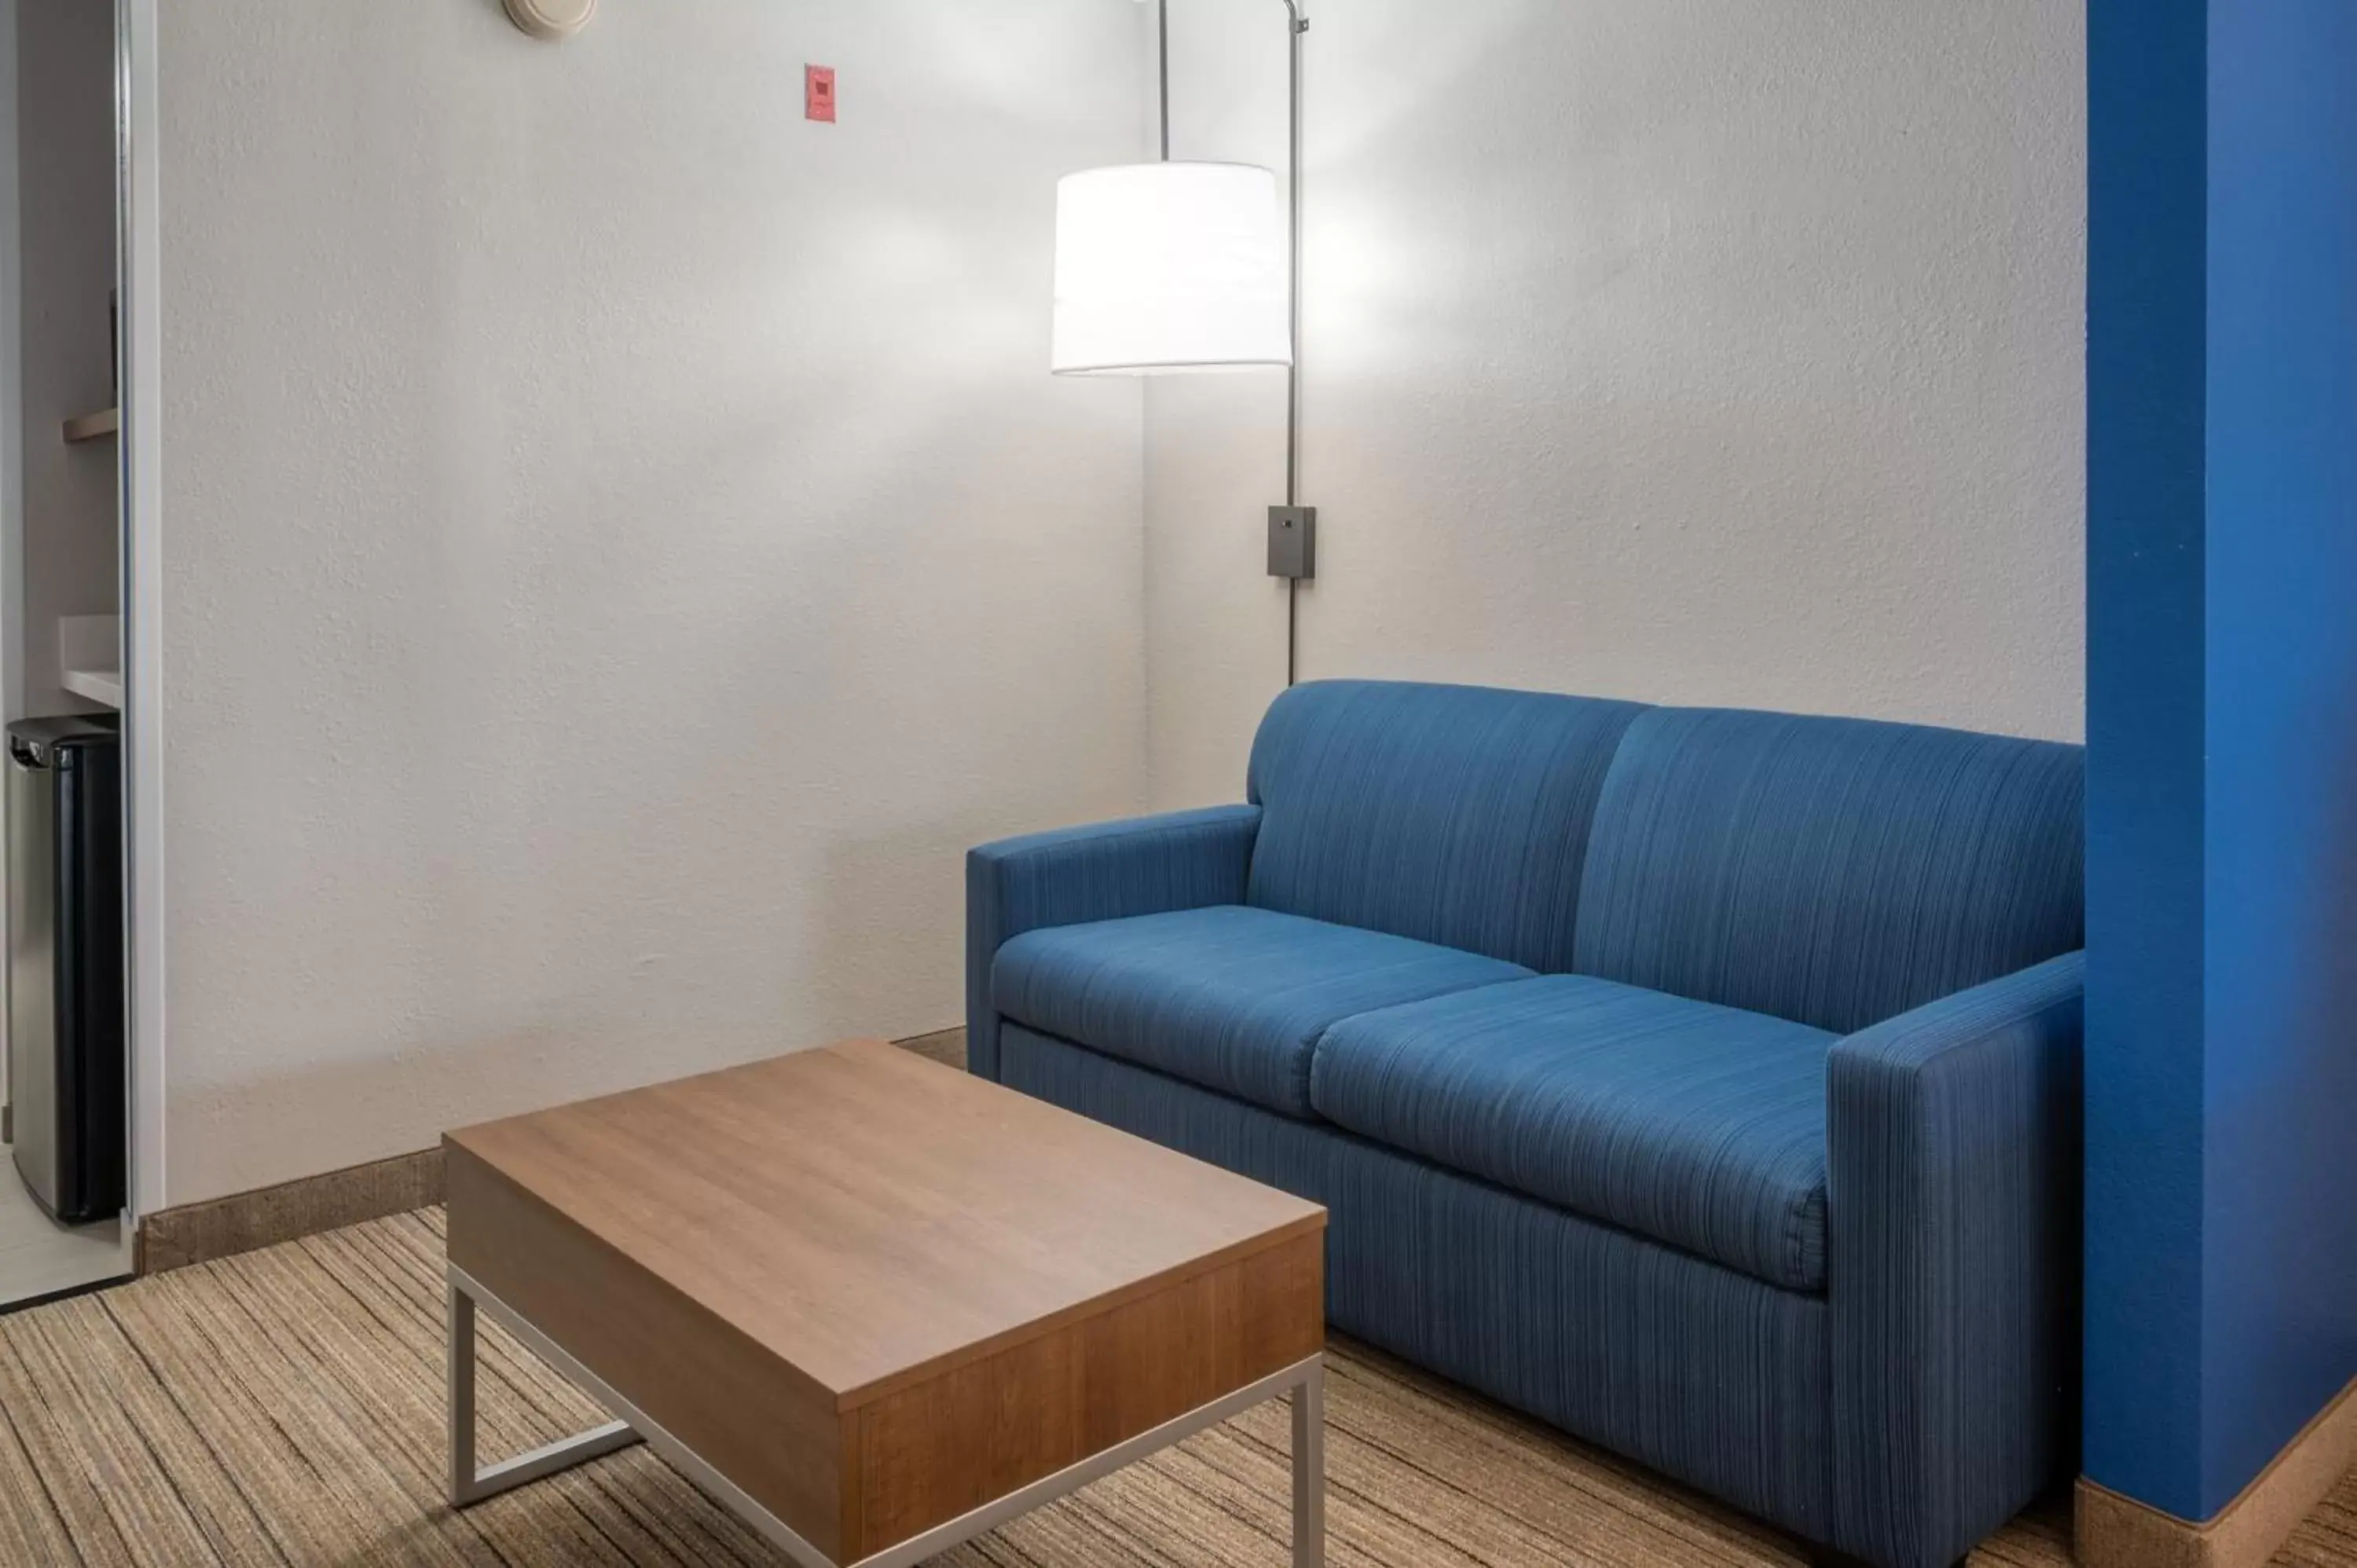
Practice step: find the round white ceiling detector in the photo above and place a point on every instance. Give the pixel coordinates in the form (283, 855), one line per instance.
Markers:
(551, 18)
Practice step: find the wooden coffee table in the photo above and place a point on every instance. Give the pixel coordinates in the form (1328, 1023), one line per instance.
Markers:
(876, 1306)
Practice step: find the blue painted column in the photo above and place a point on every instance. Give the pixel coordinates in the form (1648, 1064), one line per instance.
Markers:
(2222, 1049)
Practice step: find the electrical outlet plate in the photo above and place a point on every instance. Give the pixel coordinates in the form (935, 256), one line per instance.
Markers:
(1293, 542)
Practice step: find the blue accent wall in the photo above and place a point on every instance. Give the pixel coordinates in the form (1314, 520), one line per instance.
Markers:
(2221, 1240)
(2147, 180)
(2279, 1313)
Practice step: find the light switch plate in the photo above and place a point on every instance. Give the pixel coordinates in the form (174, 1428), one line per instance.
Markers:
(1293, 542)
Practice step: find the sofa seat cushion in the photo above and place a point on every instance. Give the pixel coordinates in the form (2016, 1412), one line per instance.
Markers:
(1697, 1125)
(1229, 997)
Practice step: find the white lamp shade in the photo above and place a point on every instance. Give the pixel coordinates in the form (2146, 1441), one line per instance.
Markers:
(1169, 267)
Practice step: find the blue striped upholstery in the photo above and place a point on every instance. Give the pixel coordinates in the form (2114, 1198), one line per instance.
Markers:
(1229, 997)
(1953, 1152)
(1451, 814)
(1830, 1280)
(1704, 1373)
(1835, 872)
(1178, 861)
(1696, 1125)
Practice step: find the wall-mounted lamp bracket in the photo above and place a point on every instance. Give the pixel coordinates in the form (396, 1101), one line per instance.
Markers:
(1293, 542)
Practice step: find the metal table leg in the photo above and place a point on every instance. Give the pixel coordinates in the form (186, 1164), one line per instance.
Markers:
(470, 1484)
(1309, 1469)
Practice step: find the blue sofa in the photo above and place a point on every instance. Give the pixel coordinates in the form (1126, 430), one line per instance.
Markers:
(1703, 1082)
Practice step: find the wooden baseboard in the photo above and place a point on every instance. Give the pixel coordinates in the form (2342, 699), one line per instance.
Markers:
(223, 1227)
(2116, 1532)
(244, 1221)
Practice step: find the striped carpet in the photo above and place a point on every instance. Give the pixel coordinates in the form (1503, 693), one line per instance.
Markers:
(286, 1408)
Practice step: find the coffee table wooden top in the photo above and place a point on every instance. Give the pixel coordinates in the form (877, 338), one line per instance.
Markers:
(871, 1219)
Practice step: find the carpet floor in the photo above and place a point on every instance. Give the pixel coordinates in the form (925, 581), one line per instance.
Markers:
(286, 1408)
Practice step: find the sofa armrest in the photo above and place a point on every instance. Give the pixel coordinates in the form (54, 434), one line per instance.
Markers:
(1183, 860)
(1953, 1181)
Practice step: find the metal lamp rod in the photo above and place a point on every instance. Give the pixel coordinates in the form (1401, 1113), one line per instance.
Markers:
(1162, 55)
(1296, 23)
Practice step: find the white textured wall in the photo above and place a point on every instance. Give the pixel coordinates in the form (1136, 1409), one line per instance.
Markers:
(1680, 351)
(622, 543)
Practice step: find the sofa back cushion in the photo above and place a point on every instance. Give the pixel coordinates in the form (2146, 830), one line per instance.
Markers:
(1451, 814)
(1834, 872)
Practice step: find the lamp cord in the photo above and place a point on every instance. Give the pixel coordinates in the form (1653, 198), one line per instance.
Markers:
(1296, 24)
(1292, 626)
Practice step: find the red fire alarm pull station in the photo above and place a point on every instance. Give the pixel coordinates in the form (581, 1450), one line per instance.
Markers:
(818, 93)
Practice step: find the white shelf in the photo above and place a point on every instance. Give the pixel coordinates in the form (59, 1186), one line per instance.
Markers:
(94, 427)
(88, 651)
(98, 686)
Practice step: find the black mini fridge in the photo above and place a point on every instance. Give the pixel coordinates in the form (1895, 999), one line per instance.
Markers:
(65, 1108)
